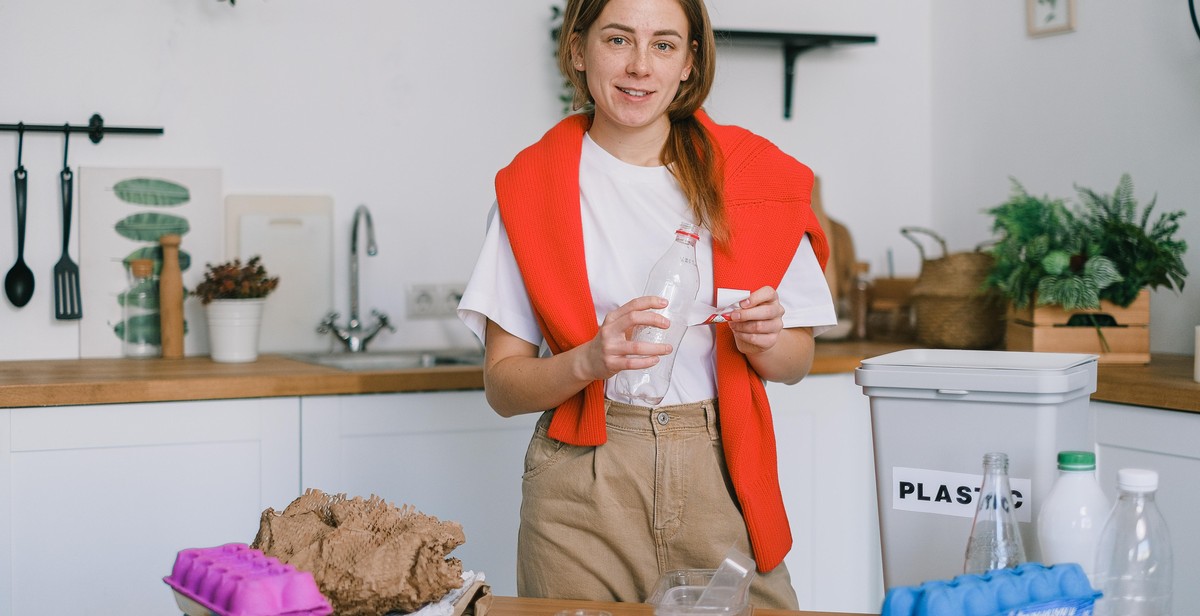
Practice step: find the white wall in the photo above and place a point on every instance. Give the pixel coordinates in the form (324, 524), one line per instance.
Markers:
(1119, 94)
(411, 107)
(861, 113)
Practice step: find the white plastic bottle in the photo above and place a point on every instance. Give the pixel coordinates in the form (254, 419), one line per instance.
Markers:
(1073, 514)
(1133, 560)
(676, 278)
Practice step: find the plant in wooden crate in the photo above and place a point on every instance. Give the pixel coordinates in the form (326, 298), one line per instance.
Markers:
(1091, 264)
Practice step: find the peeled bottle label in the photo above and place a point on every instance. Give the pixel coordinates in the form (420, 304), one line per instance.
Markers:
(701, 313)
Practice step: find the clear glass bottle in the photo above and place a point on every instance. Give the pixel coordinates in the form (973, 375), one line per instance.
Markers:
(995, 541)
(1133, 560)
(1073, 514)
(676, 278)
(861, 299)
(140, 329)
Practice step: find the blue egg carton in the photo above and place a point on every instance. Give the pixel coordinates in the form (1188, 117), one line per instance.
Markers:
(1030, 589)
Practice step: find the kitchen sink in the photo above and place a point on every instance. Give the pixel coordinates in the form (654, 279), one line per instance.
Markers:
(392, 360)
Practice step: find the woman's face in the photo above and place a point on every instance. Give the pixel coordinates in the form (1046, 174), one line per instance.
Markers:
(635, 55)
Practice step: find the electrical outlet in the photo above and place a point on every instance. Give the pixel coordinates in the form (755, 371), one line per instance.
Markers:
(422, 301)
(451, 294)
(434, 301)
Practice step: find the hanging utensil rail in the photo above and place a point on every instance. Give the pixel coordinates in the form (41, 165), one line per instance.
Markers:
(95, 128)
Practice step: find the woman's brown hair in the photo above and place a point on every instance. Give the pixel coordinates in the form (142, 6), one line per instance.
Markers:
(689, 152)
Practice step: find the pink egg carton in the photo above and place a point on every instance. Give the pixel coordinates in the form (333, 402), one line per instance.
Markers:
(234, 580)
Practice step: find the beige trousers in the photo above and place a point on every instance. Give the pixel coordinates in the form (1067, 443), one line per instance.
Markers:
(603, 523)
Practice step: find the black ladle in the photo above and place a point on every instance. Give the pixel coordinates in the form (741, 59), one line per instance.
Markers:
(18, 284)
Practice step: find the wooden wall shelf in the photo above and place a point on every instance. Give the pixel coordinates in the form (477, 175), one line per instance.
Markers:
(794, 44)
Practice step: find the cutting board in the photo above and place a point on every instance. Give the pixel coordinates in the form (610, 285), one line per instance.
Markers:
(294, 236)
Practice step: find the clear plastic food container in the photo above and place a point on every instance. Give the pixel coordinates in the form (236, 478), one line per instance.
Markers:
(677, 592)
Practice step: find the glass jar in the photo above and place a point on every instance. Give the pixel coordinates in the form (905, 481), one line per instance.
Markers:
(139, 329)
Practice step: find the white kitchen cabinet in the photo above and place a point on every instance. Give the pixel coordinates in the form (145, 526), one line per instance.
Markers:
(449, 455)
(827, 474)
(445, 453)
(97, 500)
(1168, 442)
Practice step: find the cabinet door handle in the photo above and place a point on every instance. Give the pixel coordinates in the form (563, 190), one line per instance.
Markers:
(953, 392)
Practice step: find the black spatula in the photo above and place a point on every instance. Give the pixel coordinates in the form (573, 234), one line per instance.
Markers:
(67, 302)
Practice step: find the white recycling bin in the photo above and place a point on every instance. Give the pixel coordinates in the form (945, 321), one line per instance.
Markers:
(934, 413)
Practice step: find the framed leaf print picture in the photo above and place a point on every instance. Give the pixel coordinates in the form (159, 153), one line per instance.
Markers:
(1046, 17)
(123, 212)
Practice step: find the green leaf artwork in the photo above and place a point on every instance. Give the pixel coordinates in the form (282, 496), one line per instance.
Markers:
(143, 329)
(146, 329)
(1052, 5)
(154, 253)
(149, 226)
(151, 192)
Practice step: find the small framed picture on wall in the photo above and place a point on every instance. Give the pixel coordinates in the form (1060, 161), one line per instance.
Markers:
(1046, 17)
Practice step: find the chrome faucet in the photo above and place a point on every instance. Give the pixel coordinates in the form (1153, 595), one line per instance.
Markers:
(354, 336)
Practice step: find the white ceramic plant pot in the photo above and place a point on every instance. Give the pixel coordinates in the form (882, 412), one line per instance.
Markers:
(233, 326)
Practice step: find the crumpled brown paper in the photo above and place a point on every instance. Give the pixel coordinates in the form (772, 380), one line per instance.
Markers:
(368, 557)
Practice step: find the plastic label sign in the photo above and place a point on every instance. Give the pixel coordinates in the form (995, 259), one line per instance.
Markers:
(956, 494)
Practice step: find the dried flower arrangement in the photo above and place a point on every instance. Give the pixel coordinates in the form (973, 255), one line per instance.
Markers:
(233, 280)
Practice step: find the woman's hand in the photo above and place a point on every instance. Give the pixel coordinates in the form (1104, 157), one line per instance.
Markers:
(613, 350)
(757, 322)
(516, 380)
(777, 354)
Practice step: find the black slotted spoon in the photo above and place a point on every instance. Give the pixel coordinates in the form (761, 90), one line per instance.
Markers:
(67, 302)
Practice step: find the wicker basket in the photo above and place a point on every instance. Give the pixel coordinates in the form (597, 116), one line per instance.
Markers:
(952, 309)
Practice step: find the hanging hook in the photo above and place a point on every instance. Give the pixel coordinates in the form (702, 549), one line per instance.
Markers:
(20, 143)
(66, 174)
(66, 142)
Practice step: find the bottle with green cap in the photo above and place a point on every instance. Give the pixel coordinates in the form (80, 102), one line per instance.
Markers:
(1073, 514)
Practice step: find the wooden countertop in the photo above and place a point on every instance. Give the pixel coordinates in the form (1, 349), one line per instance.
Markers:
(1165, 383)
(105, 381)
(522, 606)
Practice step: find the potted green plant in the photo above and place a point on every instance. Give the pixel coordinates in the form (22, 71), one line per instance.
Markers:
(233, 294)
(1087, 259)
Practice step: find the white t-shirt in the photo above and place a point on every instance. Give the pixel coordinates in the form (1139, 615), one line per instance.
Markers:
(630, 214)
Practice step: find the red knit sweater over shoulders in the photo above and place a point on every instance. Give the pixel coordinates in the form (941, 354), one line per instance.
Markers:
(767, 198)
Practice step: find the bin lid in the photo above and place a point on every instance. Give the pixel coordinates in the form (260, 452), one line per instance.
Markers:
(962, 371)
(990, 360)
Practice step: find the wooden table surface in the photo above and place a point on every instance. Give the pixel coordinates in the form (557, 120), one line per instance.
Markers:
(521, 606)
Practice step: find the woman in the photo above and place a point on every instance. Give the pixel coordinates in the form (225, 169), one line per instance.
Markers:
(614, 494)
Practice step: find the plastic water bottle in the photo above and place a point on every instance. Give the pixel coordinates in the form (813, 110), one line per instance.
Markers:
(995, 541)
(1073, 514)
(676, 278)
(1133, 560)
